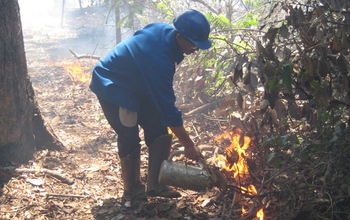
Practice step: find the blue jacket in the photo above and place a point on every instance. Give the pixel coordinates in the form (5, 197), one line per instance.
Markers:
(142, 65)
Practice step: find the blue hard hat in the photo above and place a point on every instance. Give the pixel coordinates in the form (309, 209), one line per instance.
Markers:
(194, 26)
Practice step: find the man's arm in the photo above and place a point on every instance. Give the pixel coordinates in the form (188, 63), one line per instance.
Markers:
(191, 151)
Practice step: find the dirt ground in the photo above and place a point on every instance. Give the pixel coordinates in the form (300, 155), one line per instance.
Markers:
(88, 183)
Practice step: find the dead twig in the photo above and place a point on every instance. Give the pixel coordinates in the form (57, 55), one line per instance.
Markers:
(278, 173)
(65, 195)
(19, 209)
(204, 108)
(88, 56)
(49, 172)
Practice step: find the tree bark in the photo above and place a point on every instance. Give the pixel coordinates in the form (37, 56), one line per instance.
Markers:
(22, 128)
(118, 33)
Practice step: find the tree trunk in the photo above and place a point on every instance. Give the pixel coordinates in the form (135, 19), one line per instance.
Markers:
(118, 32)
(22, 128)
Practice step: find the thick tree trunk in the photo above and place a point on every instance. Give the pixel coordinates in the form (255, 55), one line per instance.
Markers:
(21, 125)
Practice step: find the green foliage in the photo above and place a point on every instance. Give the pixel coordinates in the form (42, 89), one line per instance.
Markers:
(253, 3)
(166, 10)
(331, 123)
(101, 117)
(219, 21)
(284, 148)
(116, 4)
(128, 20)
(248, 20)
(121, 21)
(287, 76)
(332, 128)
(273, 85)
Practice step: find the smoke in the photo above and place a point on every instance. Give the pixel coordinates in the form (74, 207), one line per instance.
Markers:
(69, 26)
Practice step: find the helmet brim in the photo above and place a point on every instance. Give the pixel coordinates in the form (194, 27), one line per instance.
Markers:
(203, 45)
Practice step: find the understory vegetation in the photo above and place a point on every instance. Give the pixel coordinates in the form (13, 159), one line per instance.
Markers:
(279, 71)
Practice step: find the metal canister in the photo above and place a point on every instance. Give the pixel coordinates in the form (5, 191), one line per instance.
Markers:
(182, 175)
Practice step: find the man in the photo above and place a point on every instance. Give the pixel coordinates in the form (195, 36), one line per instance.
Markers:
(134, 85)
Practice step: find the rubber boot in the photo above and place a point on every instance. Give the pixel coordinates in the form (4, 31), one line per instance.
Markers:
(134, 189)
(158, 152)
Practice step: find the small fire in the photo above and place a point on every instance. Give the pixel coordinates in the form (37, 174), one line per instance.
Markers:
(250, 190)
(78, 72)
(260, 214)
(243, 210)
(235, 161)
(235, 154)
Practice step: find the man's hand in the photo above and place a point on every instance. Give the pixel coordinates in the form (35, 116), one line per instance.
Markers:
(191, 151)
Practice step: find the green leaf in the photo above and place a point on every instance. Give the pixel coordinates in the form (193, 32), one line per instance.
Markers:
(287, 76)
(138, 9)
(130, 22)
(248, 20)
(334, 139)
(273, 86)
(161, 6)
(116, 4)
(270, 157)
(121, 21)
(220, 21)
(284, 140)
(274, 158)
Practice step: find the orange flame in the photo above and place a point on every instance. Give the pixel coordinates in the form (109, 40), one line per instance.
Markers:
(250, 190)
(235, 153)
(235, 162)
(243, 210)
(77, 71)
(260, 214)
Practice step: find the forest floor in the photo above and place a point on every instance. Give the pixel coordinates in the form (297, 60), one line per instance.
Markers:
(90, 186)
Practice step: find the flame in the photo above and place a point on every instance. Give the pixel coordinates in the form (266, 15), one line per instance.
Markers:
(251, 190)
(235, 162)
(76, 70)
(243, 210)
(260, 214)
(235, 154)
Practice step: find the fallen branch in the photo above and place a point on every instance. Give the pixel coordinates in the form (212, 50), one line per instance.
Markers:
(204, 108)
(19, 209)
(49, 172)
(65, 195)
(88, 56)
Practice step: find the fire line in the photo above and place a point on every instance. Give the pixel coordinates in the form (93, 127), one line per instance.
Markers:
(78, 73)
